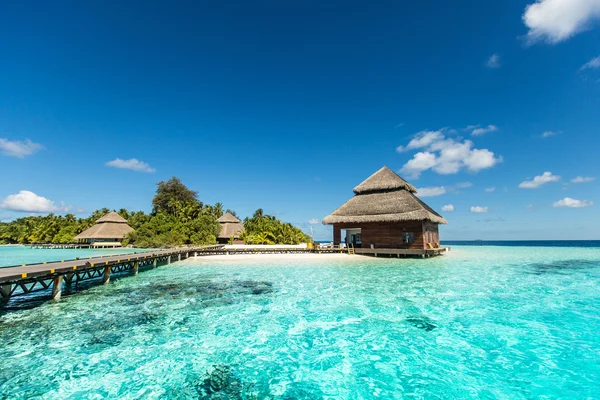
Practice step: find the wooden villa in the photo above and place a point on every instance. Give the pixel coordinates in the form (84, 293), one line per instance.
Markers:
(385, 217)
(108, 231)
(231, 228)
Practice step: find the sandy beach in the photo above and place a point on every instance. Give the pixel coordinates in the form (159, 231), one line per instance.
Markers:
(273, 257)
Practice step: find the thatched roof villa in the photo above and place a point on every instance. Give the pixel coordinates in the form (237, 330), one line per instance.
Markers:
(231, 227)
(108, 231)
(386, 214)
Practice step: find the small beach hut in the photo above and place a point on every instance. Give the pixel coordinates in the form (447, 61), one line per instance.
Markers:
(108, 231)
(385, 213)
(231, 227)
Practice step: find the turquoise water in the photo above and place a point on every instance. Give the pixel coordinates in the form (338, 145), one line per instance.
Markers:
(481, 322)
(17, 255)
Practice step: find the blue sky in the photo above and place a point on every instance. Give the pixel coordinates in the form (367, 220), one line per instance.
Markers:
(288, 105)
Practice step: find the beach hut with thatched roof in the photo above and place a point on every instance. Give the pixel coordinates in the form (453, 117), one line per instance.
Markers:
(231, 229)
(386, 214)
(108, 231)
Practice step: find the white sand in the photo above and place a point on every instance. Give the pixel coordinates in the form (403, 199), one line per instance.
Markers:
(275, 257)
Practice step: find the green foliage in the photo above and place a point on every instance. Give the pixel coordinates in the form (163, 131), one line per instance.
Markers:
(178, 218)
(169, 192)
(267, 229)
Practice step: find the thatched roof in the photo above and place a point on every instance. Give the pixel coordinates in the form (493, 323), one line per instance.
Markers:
(231, 226)
(228, 217)
(110, 226)
(112, 217)
(384, 197)
(384, 179)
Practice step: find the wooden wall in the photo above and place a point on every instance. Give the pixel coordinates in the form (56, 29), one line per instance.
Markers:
(388, 235)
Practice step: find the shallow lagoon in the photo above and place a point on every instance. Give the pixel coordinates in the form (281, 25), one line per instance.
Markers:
(487, 322)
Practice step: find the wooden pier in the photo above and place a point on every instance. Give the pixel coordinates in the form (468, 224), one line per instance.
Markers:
(26, 279)
(59, 246)
(51, 277)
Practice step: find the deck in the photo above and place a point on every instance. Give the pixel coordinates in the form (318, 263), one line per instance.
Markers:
(21, 280)
(30, 278)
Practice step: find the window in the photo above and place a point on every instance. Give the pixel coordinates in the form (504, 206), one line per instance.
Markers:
(408, 237)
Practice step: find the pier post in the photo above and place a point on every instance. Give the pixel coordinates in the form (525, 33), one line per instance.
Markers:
(195, 254)
(136, 267)
(57, 287)
(179, 257)
(106, 276)
(5, 293)
(169, 260)
(154, 263)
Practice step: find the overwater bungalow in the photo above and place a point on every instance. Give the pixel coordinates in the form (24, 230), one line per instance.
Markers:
(231, 229)
(108, 231)
(386, 214)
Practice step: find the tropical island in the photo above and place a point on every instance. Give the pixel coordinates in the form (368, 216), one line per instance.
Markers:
(178, 218)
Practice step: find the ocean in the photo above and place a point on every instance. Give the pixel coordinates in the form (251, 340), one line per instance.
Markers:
(484, 321)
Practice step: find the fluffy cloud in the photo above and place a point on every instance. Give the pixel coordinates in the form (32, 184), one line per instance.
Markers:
(445, 155)
(431, 191)
(448, 208)
(132, 164)
(16, 148)
(548, 134)
(421, 140)
(27, 201)
(572, 203)
(556, 20)
(490, 189)
(493, 62)
(594, 63)
(478, 209)
(314, 221)
(539, 180)
(482, 130)
(583, 179)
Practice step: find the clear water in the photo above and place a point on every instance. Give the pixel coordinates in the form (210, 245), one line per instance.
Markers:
(17, 255)
(482, 322)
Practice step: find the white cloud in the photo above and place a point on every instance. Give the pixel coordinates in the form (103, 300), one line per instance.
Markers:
(422, 139)
(493, 62)
(583, 179)
(548, 134)
(431, 191)
(448, 208)
(16, 148)
(314, 221)
(27, 201)
(445, 155)
(490, 189)
(594, 63)
(477, 130)
(572, 203)
(539, 180)
(419, 163)
(478, 209)
(556, 20)
(132, 164)
(463, 185)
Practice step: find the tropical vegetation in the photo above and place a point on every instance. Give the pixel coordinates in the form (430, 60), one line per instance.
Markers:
(177, 218)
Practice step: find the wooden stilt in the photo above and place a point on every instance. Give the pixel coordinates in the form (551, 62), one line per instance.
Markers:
(106, 276)
(179, 257)
(136, 267)
(5, 293)
(154, 263)
(57, 287)
(169, 260)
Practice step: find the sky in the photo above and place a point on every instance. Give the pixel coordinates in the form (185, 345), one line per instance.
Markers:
(489, 108)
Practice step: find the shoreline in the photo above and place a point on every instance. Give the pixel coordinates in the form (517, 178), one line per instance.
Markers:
(273, 257)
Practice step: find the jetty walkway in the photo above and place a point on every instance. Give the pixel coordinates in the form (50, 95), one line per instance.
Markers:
(30, 278)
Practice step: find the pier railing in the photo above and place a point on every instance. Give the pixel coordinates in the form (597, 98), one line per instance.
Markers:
(31, 278)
